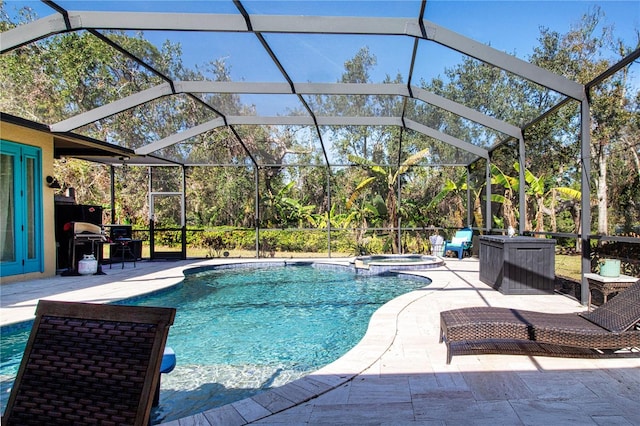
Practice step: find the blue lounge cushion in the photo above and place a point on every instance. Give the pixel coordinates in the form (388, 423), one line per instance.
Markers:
(168, 360)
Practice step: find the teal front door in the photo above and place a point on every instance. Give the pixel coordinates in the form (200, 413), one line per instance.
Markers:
(21, 241)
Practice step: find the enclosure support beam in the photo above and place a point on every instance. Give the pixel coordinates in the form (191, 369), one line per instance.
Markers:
(181, 136)
(152, 218)
(502, 60)
(257, 208)
(453, 141)
(112, 175)
(328, 170)
(112, 108)
(487, 214)
(585, 219)
(397, 207)
(469, 200)
(183, 213)
(522, 203)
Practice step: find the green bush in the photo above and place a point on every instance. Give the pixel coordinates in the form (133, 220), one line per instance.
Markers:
(216, 240)
(239, 239)
(169, 238)
(294, 240)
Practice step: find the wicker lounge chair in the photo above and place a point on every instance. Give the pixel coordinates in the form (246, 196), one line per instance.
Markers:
(89, 364)
(612, 326)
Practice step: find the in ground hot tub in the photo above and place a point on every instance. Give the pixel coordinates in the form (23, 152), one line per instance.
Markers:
(382, 264)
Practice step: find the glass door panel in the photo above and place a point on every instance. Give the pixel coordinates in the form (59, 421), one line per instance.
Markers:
(21, 239)
(7, 215)
(30, 204)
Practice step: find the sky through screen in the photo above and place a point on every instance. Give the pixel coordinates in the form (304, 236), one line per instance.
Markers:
(510, 26)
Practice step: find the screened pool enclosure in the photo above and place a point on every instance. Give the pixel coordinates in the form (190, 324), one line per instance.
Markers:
(379, 123)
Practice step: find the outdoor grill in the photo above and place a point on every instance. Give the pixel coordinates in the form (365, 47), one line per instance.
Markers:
(83, 235)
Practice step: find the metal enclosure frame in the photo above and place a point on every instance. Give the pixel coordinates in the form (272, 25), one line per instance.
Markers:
(418, 29)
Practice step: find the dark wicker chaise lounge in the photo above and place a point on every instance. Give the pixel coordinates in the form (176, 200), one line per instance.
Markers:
(89, 364)
(612, 326)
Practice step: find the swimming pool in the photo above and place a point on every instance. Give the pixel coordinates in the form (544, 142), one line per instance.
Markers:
(244, 330)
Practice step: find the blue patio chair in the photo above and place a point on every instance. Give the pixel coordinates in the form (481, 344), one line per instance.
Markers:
(460, 243)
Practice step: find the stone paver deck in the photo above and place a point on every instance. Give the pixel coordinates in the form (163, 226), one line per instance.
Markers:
(398, 373)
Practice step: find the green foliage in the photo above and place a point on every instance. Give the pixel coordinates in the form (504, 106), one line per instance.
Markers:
(387, 180)
(369, 245)
(225, 238)
(214, 244)
(169, 238)
(627, 253)
(359, 190)
(74, 72)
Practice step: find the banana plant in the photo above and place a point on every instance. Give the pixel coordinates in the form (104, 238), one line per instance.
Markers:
(389, 179)
(536, 188)
(457, 188)
(285, 210)
(511, 186)
(297, 212)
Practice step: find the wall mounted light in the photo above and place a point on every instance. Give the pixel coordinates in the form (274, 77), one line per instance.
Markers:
(53, 182)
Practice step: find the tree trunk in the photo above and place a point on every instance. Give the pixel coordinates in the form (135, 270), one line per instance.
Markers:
(602, 193)
(632, 151)
(509, 211)
(477, 213)
(552, 213)
(393, 220)
(540, 215)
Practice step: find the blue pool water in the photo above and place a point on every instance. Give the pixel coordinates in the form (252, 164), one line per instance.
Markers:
(243, 330)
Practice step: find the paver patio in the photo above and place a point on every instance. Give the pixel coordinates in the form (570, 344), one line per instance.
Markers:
(398, 373)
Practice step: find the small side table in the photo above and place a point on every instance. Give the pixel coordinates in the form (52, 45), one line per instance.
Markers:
(608, 285)
(123, 246)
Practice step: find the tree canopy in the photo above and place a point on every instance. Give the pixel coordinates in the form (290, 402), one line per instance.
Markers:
(396, 177)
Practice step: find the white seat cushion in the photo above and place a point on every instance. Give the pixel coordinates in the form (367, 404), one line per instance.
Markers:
(458, 241)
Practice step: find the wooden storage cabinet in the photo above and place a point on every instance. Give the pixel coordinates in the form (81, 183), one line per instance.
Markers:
(518, 265)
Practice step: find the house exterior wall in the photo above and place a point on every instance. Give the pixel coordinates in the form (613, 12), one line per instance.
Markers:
(21, 135)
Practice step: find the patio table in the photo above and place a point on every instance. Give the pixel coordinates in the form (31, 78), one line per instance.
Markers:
(608, 285)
